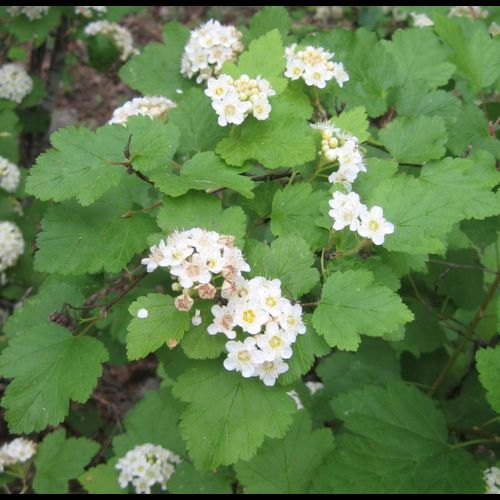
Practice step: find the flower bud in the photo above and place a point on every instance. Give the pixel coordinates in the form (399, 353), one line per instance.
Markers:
(183, 302)
(171, 343)
(206, 291)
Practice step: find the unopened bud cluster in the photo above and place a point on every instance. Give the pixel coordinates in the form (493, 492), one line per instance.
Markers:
(91, 11)
(156, 107)
(15, 83)
(9, 175)
(233, 100)
(209, 266)
(145, 466)
(32, 12)
(120, 36)
(208, 48)
(314, 66)
(19, 450)
(11, 244)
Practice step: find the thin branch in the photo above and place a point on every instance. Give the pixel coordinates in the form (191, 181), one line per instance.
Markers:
(462, 266)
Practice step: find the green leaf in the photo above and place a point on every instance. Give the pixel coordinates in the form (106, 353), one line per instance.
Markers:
(403, 426)
(197, 122)
(267, 19)
(51, 297)
(50, 367)
(415, 140)
(164, 322)
(471, 130)
(352, 304)
(80, 165)
(289, 259)
(197, 343)
(102, 52)
(156, 70)
(420, 56)
(287, 465)
(77, 240)
(205, 171)
(353, 121)
(294, 211)
(188, 480)
(283, 140)
(305, 349)
(102, 479)
(9, 124)
(201, 210)
(37, 30)
(59, 459)
(488, 366)
(475, 54)
(264, 57)
(154, 419)
(228, 416)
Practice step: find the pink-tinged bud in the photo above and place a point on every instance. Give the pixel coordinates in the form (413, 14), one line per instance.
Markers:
(176, 287)
(206, 291)
(171, 343)
(226, 240)
(229, 272)
(183, 302)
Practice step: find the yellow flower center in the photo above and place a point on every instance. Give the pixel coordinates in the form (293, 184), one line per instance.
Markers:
(244, 356)
(230, 109)
(373, 225)
(275, 342)
(219, 90)
(248, 316)
(271, 301)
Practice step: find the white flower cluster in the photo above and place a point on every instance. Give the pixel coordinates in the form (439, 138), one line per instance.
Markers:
(15, 83)
(147, 465)
(208, 48)
(11, 244)
(328, 11)
(32, 12)
(257, 307)
(472, 12)
(90, 11)
(121, 37)
(494, 29)
(195, 257)
(421, 20)
(492, 478)
(233, 100)
(18, 450)
(155, 107)
(336, 145)
(347, 209)
(314, 66)
(9, 175)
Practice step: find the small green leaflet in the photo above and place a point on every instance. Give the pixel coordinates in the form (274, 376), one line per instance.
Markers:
(164, 322)
(287, 465)
(267, 19)
(50, 367)
(415, 140)
(354, 121)
(102, 479)
(488, 365)
(228, 416)
(288, 259)
(59, 459)
(202, 172)
(403, 426)
(80, 165)
(190, 481)
(352, 304)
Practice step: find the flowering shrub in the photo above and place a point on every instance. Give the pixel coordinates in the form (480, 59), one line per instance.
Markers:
(293, 230)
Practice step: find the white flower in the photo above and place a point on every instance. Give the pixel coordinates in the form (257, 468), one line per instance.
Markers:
(156, 257)
(9, 175)
(314, 66)
(230, 110)
(142, 313)
(223, 322)
(421, 20)
(243, 357)
(146, 465)
(249, 316)
(269, 371)
(218, 88)
(346, 210)
(374, 226)
(269, 293)
(261, 108)
(120, 36)
(155, 107)
(15, 83)
(175, 254)
(11, 244)
(494, 29)
(472, 12)
(90, 11)
(314, 387)
(196, 319)
(492, 479)
(275, 343)
(32, 12)
(208, 48)
(291, 318)
(19, 450)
